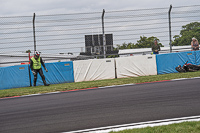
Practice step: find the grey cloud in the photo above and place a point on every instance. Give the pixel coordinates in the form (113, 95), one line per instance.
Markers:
(27, 7)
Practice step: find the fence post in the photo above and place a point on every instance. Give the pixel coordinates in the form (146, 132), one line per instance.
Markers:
(34, 32)
(170, 34)
(104, 38)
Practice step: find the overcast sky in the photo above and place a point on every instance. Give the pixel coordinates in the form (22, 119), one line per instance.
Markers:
(17, 31)
(40, 7)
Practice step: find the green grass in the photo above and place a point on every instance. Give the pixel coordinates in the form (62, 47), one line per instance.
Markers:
(89, 84)
(185, 127)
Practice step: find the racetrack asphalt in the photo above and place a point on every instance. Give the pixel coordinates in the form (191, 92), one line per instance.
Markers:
(71, 111)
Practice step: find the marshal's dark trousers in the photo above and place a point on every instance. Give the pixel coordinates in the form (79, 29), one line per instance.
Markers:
(41, 74)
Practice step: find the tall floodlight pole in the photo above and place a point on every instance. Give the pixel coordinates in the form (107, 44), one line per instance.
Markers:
(104, 38)
(170, 34)
(34, 32)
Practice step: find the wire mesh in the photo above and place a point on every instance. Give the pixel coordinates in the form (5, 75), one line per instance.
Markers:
(66, 33)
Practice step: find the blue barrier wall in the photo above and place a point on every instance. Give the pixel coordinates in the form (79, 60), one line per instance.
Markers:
(166, 63)
(62, 72)
(197, 57)
(14, 77)
(59, 72)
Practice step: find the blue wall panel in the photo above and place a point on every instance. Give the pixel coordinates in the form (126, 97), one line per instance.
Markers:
(14, 77)
(197, 57)
(59, 72)
(166, 63)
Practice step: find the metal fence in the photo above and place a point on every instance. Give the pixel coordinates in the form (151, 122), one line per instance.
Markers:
(66, 33)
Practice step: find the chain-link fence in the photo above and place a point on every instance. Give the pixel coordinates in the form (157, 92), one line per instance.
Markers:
(80, 35)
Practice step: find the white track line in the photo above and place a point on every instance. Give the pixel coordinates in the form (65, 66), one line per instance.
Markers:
(184, 78)
(179, 79)
(115, 86)
(138, 125)
(196, 78)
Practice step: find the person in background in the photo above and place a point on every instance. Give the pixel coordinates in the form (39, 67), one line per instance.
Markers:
(36, 64)
(155, 47)
(194, 44)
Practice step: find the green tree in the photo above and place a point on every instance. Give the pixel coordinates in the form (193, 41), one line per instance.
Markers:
(28, 51)
(144, 42)
(126, 46)
(188, 31)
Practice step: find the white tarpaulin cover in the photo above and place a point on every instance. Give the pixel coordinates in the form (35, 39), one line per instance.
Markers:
(95, 69)
(135, 66)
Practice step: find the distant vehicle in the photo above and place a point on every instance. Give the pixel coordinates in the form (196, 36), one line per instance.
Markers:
(188, 67)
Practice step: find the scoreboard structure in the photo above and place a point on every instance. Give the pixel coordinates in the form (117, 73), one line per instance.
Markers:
(94, 44)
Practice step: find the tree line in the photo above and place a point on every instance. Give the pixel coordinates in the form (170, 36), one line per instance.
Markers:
(184, 38)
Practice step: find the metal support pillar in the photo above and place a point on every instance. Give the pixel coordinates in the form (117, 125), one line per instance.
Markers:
(34, 32)
(104, 38)
(170, 34)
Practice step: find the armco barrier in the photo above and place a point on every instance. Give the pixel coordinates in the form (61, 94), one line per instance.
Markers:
(14, 77)
(166, 63)
(95, 69)
(135, 66)
(59, 72)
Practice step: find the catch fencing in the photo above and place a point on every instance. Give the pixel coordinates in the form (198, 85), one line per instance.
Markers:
(77, 36)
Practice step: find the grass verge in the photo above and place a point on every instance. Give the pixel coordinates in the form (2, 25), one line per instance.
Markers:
(185, 127)
(90, 84)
